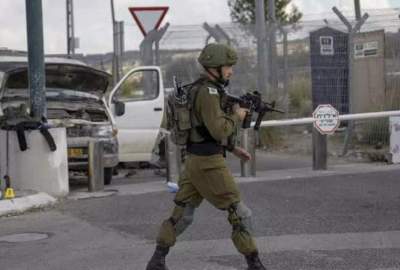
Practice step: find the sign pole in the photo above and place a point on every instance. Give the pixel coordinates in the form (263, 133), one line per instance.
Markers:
(320, 150)
(326, 122)
(149, 20)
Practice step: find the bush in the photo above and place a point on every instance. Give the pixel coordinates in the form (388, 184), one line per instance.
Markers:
(375, 132)
(270, 137)
(300, 103)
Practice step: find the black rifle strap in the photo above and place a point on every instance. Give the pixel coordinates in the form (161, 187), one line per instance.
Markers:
(49, 138)
(21, 137)
(20, 130)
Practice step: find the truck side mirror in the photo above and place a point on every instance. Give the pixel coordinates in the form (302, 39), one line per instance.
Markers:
(119, 108)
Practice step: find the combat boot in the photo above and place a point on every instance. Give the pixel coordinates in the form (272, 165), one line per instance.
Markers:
(254, 262)
(157, 261)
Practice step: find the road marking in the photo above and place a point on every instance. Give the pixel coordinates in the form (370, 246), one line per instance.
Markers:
(300, 242)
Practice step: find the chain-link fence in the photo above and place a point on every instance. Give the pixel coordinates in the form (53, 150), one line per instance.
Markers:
(308, 66)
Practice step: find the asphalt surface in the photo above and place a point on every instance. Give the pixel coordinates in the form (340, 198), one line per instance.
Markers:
(349, 221)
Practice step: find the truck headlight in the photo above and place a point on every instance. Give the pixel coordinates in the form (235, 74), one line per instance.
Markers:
(102, 131)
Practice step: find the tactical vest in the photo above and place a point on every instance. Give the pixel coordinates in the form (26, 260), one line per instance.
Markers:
(183, 122)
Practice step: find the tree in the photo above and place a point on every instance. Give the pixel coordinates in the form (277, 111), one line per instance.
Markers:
(244, 11)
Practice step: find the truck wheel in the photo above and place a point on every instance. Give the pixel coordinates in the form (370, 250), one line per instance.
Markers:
(108, 173)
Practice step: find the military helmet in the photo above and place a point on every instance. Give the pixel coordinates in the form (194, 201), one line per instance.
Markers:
(215, 55)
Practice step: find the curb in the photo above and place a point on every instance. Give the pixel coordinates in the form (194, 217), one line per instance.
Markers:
(308, 172)
(22, 204)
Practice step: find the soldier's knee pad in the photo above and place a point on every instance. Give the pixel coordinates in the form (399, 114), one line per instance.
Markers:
(185, 220)
(167, 235)
(240, 216)
(181, 218)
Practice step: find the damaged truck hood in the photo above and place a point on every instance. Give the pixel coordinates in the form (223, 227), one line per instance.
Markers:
(78, 78)
(74, 92)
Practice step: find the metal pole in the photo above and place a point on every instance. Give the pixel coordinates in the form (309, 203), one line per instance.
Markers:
(244, 166)
(350, 126)
(115, 62)
(168, 158)
(157, 52)
(320, 150)
(285, 71)
(273, 82)
(36, 73)
(350, 51)
(119, 45)
(146, 46)
(261, 41)
(343, 117)
(253, 140)
(96, 166)
(70, 28)
(217, 33)
(357, 9)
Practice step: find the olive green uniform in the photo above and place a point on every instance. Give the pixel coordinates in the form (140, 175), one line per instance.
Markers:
(207, 176)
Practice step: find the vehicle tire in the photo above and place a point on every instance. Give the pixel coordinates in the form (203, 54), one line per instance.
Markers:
(108, 174)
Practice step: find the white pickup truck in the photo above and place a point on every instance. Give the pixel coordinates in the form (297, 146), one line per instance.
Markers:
(80, 97)
(137, 104)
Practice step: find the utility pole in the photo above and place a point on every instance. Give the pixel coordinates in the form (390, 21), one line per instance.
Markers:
(357, 9)
(70, 28)
(36, 71)
(272, 63)
(261, 42)
(116, 65)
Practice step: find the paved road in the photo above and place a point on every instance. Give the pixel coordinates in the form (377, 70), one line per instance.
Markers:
(349, 221)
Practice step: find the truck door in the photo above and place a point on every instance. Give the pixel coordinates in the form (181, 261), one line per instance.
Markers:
(137, 104)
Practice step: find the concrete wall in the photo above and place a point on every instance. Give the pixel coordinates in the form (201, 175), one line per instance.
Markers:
(37, 168)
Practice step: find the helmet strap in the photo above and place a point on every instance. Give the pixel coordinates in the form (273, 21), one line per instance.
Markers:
(220, 78)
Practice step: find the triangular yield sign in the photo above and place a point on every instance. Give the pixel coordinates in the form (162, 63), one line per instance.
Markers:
(148, 18)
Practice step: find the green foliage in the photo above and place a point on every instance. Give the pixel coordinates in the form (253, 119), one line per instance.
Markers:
(243, 12)
(375, 132)
(270, 137)
(300, 98)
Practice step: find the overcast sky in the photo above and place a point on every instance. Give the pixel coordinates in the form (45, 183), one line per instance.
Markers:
(93, 19)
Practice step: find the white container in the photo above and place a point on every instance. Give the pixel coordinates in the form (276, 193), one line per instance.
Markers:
(37, 168)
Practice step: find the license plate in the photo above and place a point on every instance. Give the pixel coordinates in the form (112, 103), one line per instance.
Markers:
(75, 152)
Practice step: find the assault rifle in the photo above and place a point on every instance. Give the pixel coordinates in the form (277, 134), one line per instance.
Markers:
(253, 102)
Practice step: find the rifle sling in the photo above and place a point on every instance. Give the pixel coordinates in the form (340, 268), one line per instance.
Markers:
(20, 130)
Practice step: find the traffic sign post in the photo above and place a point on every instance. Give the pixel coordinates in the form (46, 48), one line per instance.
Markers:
(326, 121)
(149, 20)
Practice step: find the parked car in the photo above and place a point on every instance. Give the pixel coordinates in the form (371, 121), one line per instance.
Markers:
(75, 97)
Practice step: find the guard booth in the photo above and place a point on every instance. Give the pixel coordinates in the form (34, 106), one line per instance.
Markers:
(329, 68)
(368, 80)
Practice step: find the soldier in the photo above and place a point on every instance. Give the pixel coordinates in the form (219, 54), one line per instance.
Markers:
(206, 174)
